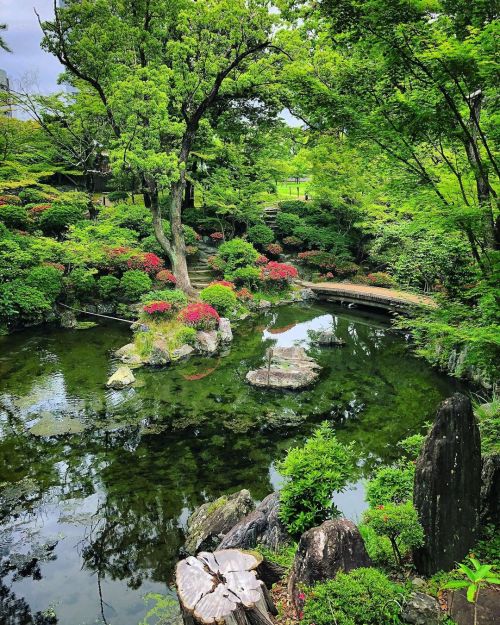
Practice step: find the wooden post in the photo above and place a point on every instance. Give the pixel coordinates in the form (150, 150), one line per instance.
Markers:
(223, 588)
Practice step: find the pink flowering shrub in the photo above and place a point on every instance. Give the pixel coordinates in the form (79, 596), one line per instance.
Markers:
(262, 260)
(191, 250)
(166, 277)
(380, 278)
(216, 263)
(158, 309)
(39, 208)
(217, 236)
(274, 249)
(200, 316)
(223, 283)
(278, 274)
(58, 266)
(244, 295)
(146, 261)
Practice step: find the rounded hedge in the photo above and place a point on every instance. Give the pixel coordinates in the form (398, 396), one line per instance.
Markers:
(14, 216)
(220, 297)
(135, 283)
(260, 234)
(46, 279)
(237, 253)
(108, 286)
(176, 297)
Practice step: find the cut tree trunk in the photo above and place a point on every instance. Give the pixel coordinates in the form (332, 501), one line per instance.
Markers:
(223, 588)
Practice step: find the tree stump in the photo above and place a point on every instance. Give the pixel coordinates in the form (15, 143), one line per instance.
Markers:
(223, 587)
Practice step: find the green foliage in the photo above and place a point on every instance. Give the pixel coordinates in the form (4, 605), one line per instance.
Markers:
(135, 283)
(60, 216)
(189, 235)
(14, 216)
(176, 297)
(20, 302)
(46, 279)
(260, 234)
(391, 485)
(283, 556)
(220, 297)
(316, 471)
(81, 282)
(33, 196)
(295, 207)
(186, 335)
(245, 276)
(237, 253)
(286, 223)
(477, 577)
(108, 287)
(163, 612)
(379, 548)
(488, 416)
(364, 596)
(412, 446)
(117, 196)
(399, 523)
(131, 216)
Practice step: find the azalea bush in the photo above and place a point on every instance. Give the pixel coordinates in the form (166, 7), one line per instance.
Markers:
(147, 262)
(158, 309)
(221, 297)
(217, 236)
(278, 275)
(244, 295)
(274, 249)
(166, 278)
(200, 316)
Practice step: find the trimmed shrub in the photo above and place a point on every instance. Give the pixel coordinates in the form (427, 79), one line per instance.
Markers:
(279, 275)
(46, 279)
(292, 241)
(274, 249)
(18, 301)
(133, 217)
(82, 282)
(108, 287)
(297, 207)
(322, 467)
(147, 262)
(14, 216)
(260, 234)
(176, 297)
(247, 276)
(135, 283)
(59, 216)
(237, 253)
(222, 298)
(391, 485)
(380, 278)
(32, 196)
(191, 237)
(286, 223)
(158, 309)
(200, 316)
(364, 596)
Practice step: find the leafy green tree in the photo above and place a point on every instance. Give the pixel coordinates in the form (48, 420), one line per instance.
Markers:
(164, 70)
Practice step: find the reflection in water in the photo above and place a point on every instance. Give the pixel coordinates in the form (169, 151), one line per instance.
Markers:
(113, 500)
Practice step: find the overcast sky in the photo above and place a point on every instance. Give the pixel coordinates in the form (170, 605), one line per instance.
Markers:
(23, 37)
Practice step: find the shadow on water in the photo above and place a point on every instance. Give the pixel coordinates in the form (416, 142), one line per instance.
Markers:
(98, 484)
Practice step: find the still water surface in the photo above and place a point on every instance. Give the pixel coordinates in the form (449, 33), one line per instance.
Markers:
(97, 484)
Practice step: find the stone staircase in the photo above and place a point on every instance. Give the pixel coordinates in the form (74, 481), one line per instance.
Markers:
(270, 213)
(200, 273)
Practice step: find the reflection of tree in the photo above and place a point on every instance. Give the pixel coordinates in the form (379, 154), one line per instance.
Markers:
(15, 611)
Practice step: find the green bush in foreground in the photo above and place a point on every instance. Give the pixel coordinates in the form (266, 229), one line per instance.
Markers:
(220, 297)
(322, 467)
(20, 302)
(361, 597)
(391, 485)
(176, 297)
(135, 283)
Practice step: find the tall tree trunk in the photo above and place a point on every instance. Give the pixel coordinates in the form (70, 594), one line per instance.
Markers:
(483, 187)
(188, 199)
(178, 257)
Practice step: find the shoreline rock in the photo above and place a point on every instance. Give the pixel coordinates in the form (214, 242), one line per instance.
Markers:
(121, 378)
(286, 368)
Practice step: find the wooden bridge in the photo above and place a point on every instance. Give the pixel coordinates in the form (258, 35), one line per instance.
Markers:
(388, 299)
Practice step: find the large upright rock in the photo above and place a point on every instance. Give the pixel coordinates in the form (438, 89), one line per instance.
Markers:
(323, 551)
(447, 487)
(285, 368)
(211, 521)
(262, 526)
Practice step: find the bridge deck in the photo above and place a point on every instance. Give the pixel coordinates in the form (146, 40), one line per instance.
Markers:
(369, 295)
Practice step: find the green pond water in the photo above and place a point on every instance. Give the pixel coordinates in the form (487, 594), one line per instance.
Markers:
(97, 485)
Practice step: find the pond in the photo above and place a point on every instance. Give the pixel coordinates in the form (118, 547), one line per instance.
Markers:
(97, 484)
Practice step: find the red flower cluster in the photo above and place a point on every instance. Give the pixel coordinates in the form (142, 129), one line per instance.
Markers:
(244, 295)
(278, 272)
(223, 283)
(39, 208)
(262, 260)
(216, 236)
(308, 255)
(148, 262)
(200, 316)
(274, 249)
(166, 276)
(121, 250)
(157, 308)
